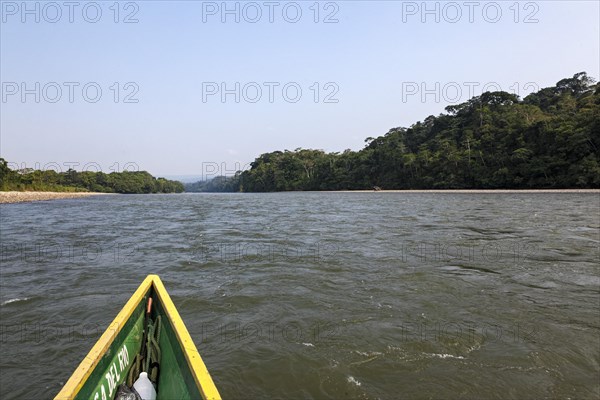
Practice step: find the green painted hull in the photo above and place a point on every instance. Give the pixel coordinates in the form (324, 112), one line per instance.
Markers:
(182, 372)
(112, 370)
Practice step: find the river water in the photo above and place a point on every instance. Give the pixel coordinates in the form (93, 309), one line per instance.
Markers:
(318, 295)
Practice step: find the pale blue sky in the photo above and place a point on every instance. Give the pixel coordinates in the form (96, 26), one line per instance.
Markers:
(371, 55)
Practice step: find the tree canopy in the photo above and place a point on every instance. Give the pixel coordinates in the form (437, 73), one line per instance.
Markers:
(71, 180)
(549, 139)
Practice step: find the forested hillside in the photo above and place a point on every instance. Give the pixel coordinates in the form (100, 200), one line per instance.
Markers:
(549, 139)
(72, 181)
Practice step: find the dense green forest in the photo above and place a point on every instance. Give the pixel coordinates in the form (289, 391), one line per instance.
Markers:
(549, 139)
(74, 181)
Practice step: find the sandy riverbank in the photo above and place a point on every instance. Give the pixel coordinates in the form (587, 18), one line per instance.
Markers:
(493, 191)
(19, 197)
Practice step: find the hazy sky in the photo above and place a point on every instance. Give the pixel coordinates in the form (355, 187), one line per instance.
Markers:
(183, 88)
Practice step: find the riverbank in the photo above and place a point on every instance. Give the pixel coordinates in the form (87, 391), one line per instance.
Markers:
(474, 191)
(20, 197)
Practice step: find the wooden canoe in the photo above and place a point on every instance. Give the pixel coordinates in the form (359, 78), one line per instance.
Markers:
(183, 374)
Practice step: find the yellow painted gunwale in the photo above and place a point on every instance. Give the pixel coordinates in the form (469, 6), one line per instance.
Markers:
(89, 363)
(208, 390)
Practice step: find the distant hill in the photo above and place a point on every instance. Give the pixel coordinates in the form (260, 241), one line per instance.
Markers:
(549, 139)
(217, 184)
(74, 181)
(185, 178)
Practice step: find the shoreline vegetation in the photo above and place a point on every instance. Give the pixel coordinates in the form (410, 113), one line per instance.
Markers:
(548, 140)
(126, 182)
